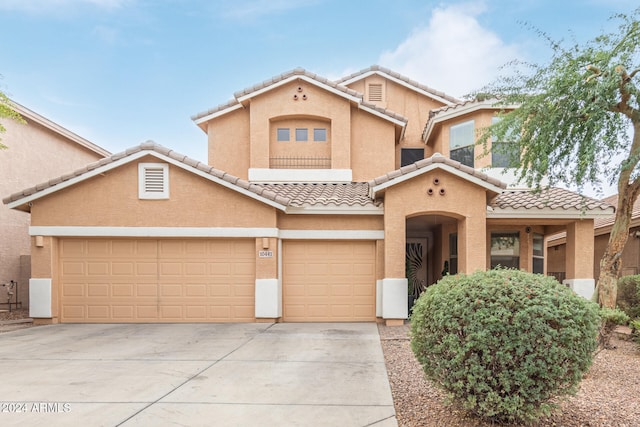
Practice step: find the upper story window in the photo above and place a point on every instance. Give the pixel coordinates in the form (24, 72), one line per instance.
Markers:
(302, 134)
(153, 181)
(320, 134)
(462, 142)
(283, 134)
(410, 155)
(504, 154)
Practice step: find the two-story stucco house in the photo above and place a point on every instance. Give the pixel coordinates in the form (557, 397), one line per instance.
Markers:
(319, 199)
(37, 150)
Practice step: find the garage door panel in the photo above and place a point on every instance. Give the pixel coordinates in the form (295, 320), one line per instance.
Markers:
(326, 280)
(97, 290)
(151, 280)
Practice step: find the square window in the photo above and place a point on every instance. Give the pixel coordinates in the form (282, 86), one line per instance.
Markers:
(283, 134)
(302, 134)
(320, 134)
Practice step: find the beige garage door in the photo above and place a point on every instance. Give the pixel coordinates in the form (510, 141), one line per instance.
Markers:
(329, 281)
(156, 280)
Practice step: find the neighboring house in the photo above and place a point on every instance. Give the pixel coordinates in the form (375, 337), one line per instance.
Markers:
(602, 229)
(37, 150)
(319, 199)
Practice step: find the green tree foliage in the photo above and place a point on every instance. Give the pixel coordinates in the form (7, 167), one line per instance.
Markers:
(504, 343)
(7, 112)
(577, 116)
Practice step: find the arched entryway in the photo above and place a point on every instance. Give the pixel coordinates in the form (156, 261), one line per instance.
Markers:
(431, 250)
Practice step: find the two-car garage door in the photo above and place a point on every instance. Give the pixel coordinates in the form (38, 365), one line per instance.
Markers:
(157, 280)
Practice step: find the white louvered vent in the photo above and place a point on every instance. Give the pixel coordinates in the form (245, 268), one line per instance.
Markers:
(153, 180)
(375, 92)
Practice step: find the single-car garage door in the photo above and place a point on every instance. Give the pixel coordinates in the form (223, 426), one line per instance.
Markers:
(156, 280)
(329, 281)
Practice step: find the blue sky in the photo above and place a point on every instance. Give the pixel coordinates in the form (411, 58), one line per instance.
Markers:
(120, 72)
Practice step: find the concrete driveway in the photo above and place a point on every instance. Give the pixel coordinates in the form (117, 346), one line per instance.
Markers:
(287, 374)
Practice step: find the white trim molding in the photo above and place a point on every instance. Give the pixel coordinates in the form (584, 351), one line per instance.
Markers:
(72, 231)
(332, 234)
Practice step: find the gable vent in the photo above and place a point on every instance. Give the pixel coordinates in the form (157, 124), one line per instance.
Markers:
(153, 180)
(375, 92)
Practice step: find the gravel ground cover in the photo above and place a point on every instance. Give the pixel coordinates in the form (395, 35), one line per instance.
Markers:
(608, 396)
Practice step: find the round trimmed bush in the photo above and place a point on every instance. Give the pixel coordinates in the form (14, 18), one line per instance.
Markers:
(503, 343)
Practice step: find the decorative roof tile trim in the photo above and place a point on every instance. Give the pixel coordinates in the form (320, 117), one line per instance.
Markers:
(554, 198)
(437, 158)
(300, 72)
(410, 82)
(140, 150)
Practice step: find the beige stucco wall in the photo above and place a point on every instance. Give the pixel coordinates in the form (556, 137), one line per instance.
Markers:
(410, 198)
(330, 222)
(402, 100)
(372, 146)
(35, 154)
(112, 200)
(229, 143)
(279, 103)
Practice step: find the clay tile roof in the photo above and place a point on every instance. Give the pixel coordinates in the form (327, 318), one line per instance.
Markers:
(323, 194)
(436, 158)
(399, 77)
(151, 146)
(552, 198)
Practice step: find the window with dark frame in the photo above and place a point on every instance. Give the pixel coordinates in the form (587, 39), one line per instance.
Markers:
(411, 155)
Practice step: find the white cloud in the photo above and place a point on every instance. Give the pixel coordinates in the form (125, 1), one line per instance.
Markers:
(453, 53)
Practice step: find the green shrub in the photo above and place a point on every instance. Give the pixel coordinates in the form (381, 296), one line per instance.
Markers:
(629, 295)
(610, 318)
(502, 343)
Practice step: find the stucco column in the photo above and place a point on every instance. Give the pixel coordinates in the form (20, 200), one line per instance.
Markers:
(43, 291)
(472, 244)
(395, 284)
(579, 257)
(268, 291)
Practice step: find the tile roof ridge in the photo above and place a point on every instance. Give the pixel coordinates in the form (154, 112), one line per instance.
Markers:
(401, 77)
(436, 158)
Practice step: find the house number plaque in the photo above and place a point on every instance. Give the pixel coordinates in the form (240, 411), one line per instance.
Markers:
(265, 254)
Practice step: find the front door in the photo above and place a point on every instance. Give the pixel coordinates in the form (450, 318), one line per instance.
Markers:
(416, 265)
